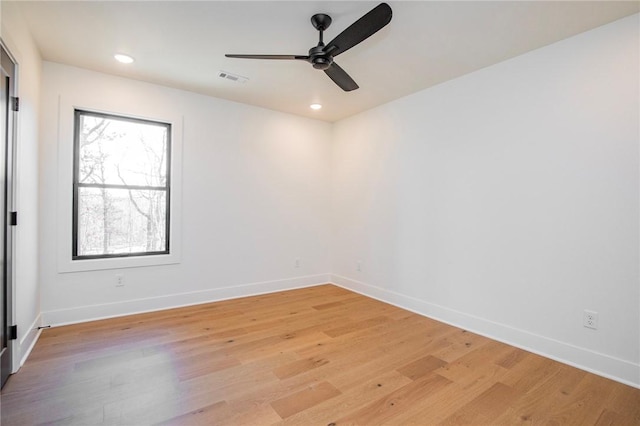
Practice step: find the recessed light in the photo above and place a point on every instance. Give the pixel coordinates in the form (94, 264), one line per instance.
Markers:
(125, 59)
(315, 106)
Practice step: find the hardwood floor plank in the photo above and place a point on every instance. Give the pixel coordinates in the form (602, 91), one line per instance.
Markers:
(356, 326)
(610, 418)
(350, 400)
(304, 399)
(586, 402)
(476, 364)
(202, 416)
(328, 305)
(625, 403)
(399, 344)
(485, 408)
(252, 381)
(460, 343)
(436, 407)
(389, 406)
(421, 367)
(314, 356)
(536, 404)
(299, 367)
(201, 364)
(223, 413)
(511, 358)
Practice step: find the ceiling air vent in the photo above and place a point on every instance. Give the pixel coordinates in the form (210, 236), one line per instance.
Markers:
(233, 77)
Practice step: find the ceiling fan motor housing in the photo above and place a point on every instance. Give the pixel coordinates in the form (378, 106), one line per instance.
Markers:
(319, 58)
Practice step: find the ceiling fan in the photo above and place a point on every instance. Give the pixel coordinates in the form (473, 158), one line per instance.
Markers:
(321, 56)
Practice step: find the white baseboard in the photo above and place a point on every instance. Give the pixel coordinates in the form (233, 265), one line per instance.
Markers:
(136, 306)
(601, 364)
(27, 342)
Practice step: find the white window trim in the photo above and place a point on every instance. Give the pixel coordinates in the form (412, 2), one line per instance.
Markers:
(66, 108)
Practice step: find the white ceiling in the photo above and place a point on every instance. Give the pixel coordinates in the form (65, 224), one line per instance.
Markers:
(182, 44)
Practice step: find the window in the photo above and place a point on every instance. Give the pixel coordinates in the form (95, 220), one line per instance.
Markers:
(121, 186)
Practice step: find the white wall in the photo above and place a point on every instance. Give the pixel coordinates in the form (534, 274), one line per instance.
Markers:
(255, 190)
(26, 288)
(506, 201)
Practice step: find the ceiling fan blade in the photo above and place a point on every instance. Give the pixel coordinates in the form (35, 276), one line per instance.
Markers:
(360, 30)
(304, 58)
(341, 78)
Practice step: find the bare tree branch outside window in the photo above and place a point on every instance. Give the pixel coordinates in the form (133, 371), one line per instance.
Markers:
(121, 186)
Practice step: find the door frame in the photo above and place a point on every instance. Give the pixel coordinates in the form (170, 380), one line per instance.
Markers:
(12, 122)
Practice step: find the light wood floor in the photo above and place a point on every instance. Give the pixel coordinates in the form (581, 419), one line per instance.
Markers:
(316, 356)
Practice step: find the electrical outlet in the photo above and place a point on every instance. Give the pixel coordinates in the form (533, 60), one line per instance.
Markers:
(359, 265)
(119, 280)
(590, 319)
(297, 262)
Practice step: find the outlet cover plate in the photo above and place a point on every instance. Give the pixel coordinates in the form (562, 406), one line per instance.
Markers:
(590, 319)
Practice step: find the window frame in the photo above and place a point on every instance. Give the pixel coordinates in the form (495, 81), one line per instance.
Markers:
(144, 104)
(77, 114)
